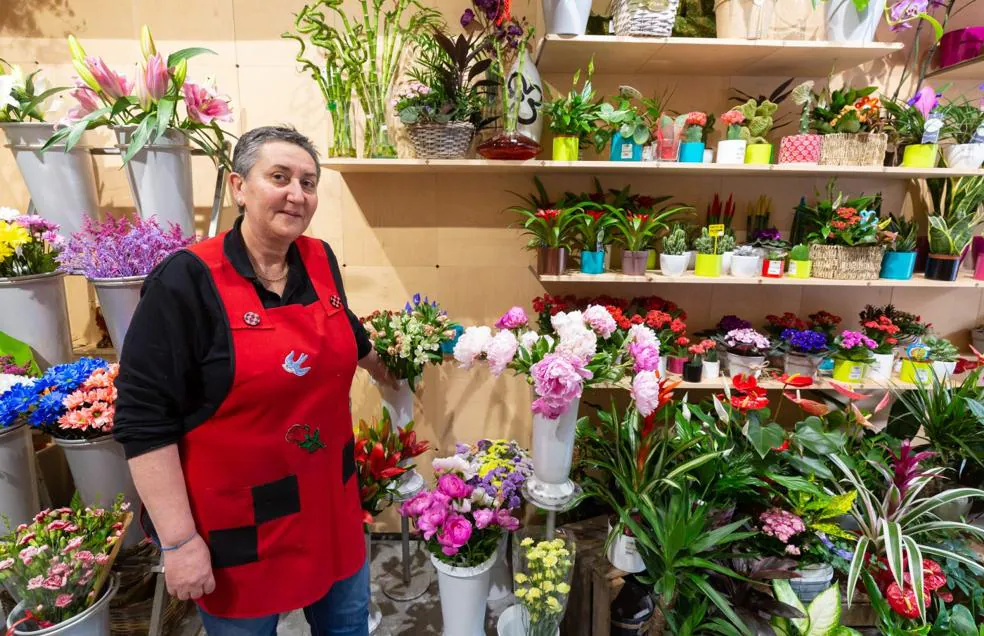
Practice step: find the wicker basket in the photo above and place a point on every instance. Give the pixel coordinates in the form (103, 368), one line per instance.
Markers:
(861, 149)
(654, 18)
(441, 141)
(846, 263)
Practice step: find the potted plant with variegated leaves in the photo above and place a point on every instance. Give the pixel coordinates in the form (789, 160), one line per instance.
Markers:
(628, 128)
(956, 211)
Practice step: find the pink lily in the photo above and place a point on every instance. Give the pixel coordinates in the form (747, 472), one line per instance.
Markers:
(155, 77)
(87, 102)
(111, 83)
(204, 105)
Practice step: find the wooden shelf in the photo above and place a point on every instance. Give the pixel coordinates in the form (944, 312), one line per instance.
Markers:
(964, 281)
(968, 70)
(653, 168)
(820, 384)
(705, 56)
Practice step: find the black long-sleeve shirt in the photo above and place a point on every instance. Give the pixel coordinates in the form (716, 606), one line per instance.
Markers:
(176, 364)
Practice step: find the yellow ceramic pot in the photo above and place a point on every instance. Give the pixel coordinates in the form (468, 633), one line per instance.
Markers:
(920, 156)
(758, 153)
(651, 260)
(800, 269)
(849, 371)
(916, 372)
(708, 265)
(565, 148)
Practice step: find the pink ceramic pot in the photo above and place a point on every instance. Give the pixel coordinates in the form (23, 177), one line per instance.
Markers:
(961, 44)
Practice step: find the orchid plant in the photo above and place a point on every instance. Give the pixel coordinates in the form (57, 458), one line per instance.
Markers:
(107, 98)
(23, 97)
(912, 121)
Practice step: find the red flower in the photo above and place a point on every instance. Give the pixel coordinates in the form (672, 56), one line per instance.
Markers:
(411, 447)
(795, 380)
(682, 341)
(811, 407)
(642, 218)
(678, 326)
(656, 319)
(782, 447)
(548, 215)
(933, 577)
(846, 213)
(904, 601)
(747, 394)
(636, 320)
(595, 214)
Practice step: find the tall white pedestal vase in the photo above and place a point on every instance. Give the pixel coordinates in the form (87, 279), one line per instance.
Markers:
(100, 472)
(551, 486)
(62, 184)
(160, 178)
(399, 403)
(566, 17)
(846, 24)
(463, 596)
(525, 84)
(35, 311)
(118, 298)
(18, 476)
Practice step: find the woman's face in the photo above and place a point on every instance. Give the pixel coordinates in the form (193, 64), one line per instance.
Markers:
(280, 193)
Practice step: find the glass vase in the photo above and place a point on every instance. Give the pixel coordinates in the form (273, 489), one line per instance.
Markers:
(552, 580)
(342, 139)
(377, 143)
(509, 145)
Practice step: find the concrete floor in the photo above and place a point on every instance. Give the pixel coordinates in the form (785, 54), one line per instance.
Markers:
(421, 616)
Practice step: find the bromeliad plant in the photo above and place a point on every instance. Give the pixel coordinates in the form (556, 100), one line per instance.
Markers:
(636, 231)
(549, 228)
(120, 248)
(592, 225)
(29, 245)
(23, 97)
(382, 456)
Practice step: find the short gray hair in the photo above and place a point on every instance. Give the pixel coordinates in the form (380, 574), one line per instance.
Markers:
(248, 147)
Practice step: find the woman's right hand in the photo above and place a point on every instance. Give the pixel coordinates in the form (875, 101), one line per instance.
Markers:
(188, 570)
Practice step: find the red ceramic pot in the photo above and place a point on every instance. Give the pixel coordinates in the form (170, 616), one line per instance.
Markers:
(675, 364)
(773, 269)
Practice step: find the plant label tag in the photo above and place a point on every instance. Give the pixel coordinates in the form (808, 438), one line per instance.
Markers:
(856, 372)
(932, 128)
(626, 150)
(978, 137)
(647, 152)
(716, 229)
(917, 351)
(774, 268)
(792, 268)
(922, 375)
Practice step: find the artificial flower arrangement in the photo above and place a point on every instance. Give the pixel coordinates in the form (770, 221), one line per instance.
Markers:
(29, 245)
(108, 98)
(407, 341)
(499, 467)
(382, 456)
(119, 248)
(62, 389)
(57, 564)
(543, 581)
(23, 97)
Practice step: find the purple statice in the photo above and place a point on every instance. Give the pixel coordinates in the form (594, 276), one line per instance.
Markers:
(120, 248)
(732, 322)
(804, 340)
(501, 468)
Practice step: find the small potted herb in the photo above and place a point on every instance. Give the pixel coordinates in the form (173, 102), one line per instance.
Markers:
(774, 263)
(731, 149)
(592, 225)
(916, 126)
(703, 362)
(803, 147)
(692, 148)
(573, 117)
(963, 124)
(805, 351)
(745, 261)
(852, 355)
(673, 258)
(899, 261)
(942, 356)
(799, 262)
(708, 255)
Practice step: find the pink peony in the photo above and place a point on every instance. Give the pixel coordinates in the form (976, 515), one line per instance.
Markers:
(529, 339)
(454, 534)
(412, 508)
(471, 345)
(600, 320)
(454, 487)
(645, 391)
(203, 105)
(512, 319)
(558, 379)
(645, 355)
(505, 520)
(483, 518)
(63, 601)
(501, 351)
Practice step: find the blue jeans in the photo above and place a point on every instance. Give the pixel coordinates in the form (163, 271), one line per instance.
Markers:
(343, 611)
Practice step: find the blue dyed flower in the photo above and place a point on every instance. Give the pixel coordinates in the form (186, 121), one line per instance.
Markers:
(47, 409)
(16, 402)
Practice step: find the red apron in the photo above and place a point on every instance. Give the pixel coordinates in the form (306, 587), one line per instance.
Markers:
(271, 476)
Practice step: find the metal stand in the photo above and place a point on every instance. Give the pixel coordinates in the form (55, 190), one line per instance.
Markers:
(415, 573)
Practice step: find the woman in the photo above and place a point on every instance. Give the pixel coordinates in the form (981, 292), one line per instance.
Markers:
(233, 409)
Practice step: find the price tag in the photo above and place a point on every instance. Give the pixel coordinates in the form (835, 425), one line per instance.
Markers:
(856, 372)
(626, 151)
(932, 128)
(715, 230)
(774, 268)
(978, 137)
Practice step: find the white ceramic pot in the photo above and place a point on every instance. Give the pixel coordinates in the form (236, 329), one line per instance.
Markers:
(708, 155)
(62, 184)
(661, 368)
(35, 311)
(513, 621)
(964, 156)
(710, 370)
(94, 621)
(100, 472)
(160, 178)
(749, 365)
(673, 265)
(18, 476)
(501, 578)
(553, 452)
(118, 298)
(813, 579)
(623, 553)
(463, 595)
(529, 88)
(745, 266)
(726, 262)
(566, 17)
(846, 24)
(731, 151)
(943, 370)
(881, 369)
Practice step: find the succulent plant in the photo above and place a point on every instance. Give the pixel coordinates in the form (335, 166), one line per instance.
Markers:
(758, 120)
(675, 243)
(941, 349)
(726, 243)
(746, 250)
(799, 253)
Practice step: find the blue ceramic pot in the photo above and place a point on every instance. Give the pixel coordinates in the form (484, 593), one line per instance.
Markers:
(593, 262)
(898, 265)
(624, 149)
(692, 152)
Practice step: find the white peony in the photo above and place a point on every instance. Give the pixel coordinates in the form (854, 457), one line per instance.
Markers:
(528, 340)
(471, 345)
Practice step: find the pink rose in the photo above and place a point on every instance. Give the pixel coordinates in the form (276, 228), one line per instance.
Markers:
(645, 391)
(501, 351)
(35, 583)
(600, 320)
(454, 534)
(454, 486)
(483, 517)
(512, 319)
(73, 544)
(63, 601)
(506, 521)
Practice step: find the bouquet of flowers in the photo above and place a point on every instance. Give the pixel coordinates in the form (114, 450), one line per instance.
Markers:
(58, 563)
(543, 581)
(120, 248)
(42, 402)
(28, 245)
(499, 467)
(460, 523)
(382, 457)
(25, 97)
(746, 342)
(853, 346)
(911, 326)
(89, 410)
(406, 341)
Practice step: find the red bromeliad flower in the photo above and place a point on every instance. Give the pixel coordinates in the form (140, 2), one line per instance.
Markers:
(548, 215)
(906, 468)
(746, 394)
(595, 214)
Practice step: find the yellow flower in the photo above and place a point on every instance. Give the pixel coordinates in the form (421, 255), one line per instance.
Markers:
(521, 578)
(527, 542)
(550, 561)
(13, 235)
(548, 586)
(553, 604)
(563, 588)
(521, 592)
(534, 593)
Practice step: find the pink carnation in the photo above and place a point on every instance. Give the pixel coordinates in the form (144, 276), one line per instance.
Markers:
(512, 319)
(102, 558)
(54, 582)
(63, 601)
(74, 544)
(27, 554)
(35, 583)
(6, 564)
(84, 556)
(501, 350)
(645, 391)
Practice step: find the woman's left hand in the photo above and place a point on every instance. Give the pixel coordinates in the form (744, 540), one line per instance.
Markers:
(378, 371)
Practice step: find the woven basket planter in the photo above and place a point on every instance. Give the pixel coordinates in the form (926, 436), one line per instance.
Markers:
(653, 18)
(861, 149)
(441, 141)
(846, 263)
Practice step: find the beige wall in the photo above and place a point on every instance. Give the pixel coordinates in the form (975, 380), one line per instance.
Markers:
(442, 235)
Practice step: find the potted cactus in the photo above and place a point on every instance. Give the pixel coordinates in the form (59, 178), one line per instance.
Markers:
(673, 259)
(731, 149)
(709, 254)
(692, 148)
(803, 147)
(758, 124)
(799, 262)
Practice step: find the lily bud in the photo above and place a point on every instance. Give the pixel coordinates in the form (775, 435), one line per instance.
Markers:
(78, 53)
(85, 74)
(147, 42)
(180, 72)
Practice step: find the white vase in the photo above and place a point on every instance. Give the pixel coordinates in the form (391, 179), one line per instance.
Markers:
(118, 298)
(62, 184)
(501, 578)
(731, 151)
(463, 596)
(94, 621)
(623, 553)
(881, 369)
(673, 265)
(710, 370)
(708, 155)
(529, 89)
(553, 452)
(964, 156)
(748, 365)
(566, 17)
(813, 579)
(35, 311)
(19, 500)
(944, 370)
(745, 266)
(100, 472)
(846, 24)
(160, 179)
(661, 368)
(399, 402)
